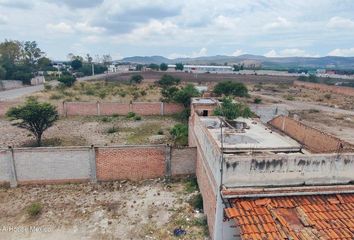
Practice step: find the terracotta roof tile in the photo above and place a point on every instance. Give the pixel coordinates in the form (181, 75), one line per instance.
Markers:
(299, 217)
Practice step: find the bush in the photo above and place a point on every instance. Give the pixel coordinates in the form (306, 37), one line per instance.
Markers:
(168, 80)
(229, 88)
(231, 110)
(131, 114)
(106, 119)
(180, 134)
(56, 96)
(47, 87)
(160, 132)
(137, 118)
(112, 130)
(257, 100)
(328, 96)
(34, 209)
(136, 79)
(196, 201)
(67, 80)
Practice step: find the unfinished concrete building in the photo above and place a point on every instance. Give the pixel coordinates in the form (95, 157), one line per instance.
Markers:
(259, 183)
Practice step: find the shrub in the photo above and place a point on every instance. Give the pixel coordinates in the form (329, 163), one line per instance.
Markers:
(229, 88)
(105, 119)
(112, 130)
(196, 201)
(102, 94)
(131, 114)
(160, 132)
(67, 80)
(231, 110)
(34, 209)
(115, 115)
(56, 96)
(137, 118)
(257, 100)
(327, 96)
(168, 80)
(47, 87)
(180, 134)
(136, 79)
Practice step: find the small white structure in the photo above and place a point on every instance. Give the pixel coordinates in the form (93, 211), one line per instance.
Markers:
(112, 69)
(207, 69)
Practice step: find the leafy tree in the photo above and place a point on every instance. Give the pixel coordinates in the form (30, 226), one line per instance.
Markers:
(76, 64)
(11, 51)
(185, 94)
(168, 80)
(67, 80)
(137, 78)
(44, 63)
(163, 67)
(168, 93)
(2, 72)
(34, 116)
(32, 52)
(179, 66)
(180, 134)
(231, 110)
(88, 58)
(154, 66)
(229, 88)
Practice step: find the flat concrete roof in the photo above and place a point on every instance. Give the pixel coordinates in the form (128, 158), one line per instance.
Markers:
(258, 138)
(204, 101)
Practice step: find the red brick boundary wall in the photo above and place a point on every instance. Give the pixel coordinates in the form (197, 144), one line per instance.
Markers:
(326, 88)
(133, 163)
(314, 140)
(107, 108)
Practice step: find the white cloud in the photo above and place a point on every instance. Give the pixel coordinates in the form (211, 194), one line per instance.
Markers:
(202, 53)
(238, 52)
(290, 52)
(349, 52)
(177, 55)
(224, 22)
(87, 28)
(3, 19)
(279, 23)
(340, 22)
(61, 27)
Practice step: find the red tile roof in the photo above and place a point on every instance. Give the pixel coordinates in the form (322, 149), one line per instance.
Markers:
(294, 217)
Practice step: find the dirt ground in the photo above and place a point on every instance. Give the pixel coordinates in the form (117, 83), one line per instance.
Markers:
(150, 209)
(78, 131)
(288, 92)
(339, 125)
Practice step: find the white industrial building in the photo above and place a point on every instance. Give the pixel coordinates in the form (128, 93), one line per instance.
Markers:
(203, 68)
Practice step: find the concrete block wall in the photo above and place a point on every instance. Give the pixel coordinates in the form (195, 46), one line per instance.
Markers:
(281, 170)
(4, 167)
(133, 163)
(314, 140)
(326, 88)
(10, 84)
(107, 108)
(52, 165)
(183, 161)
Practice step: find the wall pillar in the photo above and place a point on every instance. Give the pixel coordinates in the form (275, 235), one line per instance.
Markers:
(162, 109)
(98, 108)
(92, 159)
(168, 171)
(13, 175)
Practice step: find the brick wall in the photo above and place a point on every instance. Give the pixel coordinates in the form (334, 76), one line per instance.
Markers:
(171, 108)
(326, 88)
(4, 168)
(206, 186)
(133, 163)
(183, 161)
(146, 108)
(81, 108)
(314, 140)
(110, 108)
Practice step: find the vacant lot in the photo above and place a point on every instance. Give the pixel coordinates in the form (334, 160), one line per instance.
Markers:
(338, 125)
(288, 92)
(118, 210)
(78, 131)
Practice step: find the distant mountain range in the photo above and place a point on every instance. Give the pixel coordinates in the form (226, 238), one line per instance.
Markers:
(266, 62)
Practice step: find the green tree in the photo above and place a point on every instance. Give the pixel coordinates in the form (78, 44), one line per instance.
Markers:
(229, 88)
(67, 80)
(2, 72)
(179, 66)
(137, 78)
(44, 63)
(76, 64)
(154, 66)
(139, 67)
(180, 134)
(231, 110)
(168, 80)
(185, 94)
(163, 67)
(32, 52)
(34, 116)
(168, 93)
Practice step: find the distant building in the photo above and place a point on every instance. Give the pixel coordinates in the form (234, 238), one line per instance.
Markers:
(207, 69)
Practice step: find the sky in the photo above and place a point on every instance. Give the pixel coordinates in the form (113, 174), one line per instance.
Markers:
(182, 28)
